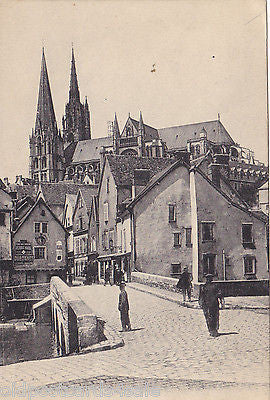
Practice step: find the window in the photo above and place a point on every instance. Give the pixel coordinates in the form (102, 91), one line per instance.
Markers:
(177, 239)
(2, 219)
(176, 269)
(188, 237)
(59, 252)
(44, 227)
(111, 237)
(80, 223)
(35, 163)
(41, 227)
(108, 185)
(209, 264)
(106, 212)
(44, 162)
(80, 203)
(37, 227)
(247, 236)
(249, 265)
(207, 231)
(31, 277)
(172, 216)
(39, 253)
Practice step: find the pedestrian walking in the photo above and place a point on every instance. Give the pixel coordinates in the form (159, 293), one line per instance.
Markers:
(209, 301)
(123, 307)
(184, 284)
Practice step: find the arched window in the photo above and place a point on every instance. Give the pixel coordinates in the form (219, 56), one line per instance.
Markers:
(44, 162)
(35, 163)
(198, 150)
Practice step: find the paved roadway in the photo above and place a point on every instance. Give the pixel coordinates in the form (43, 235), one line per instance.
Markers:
(169, 346)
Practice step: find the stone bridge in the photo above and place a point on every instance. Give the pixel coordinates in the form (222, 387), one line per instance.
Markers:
(75, 325)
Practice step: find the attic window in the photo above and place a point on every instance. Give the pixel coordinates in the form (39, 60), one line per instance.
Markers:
(176, 136)
(42, 213)
(195, 133)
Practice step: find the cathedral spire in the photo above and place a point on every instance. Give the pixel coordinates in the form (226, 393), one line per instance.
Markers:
(141, 125)
(45, 118)
(74, 94)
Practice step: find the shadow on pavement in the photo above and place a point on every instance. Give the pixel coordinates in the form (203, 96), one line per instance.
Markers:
(228, 333)
(132, 330)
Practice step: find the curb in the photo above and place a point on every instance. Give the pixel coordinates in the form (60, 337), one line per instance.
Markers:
(196, 306)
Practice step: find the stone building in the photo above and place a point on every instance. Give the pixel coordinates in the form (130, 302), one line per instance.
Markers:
(39, 246)
(80, 228)
(121, 177)
(182, 218)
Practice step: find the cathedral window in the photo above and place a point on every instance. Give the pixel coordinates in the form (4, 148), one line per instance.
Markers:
(44, 162)
(35, 163)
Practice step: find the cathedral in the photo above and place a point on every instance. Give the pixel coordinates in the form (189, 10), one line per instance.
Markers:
(71, 154)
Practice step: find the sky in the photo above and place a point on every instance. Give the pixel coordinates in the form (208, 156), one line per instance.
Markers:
(209, 56)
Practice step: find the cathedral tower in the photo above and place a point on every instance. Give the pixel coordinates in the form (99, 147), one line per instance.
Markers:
(46, 143)
(76, 122)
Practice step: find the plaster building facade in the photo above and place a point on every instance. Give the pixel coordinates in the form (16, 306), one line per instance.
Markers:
(181, 218)
(39, 246)
(81, 216)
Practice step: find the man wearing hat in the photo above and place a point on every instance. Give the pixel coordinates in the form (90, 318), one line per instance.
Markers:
(209, 301)
(123, 307)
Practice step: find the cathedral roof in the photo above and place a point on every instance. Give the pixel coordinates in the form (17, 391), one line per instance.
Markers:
(150, 133)
(122, 167)
(87, 150)
(176, 137)
(45, 118)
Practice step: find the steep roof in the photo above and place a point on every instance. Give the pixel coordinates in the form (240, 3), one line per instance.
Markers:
(87, 150)
(55, 193)
(87, 193)
(176, 137)
(122, 167)
(23, 190)
(150, 133)
(27, 215)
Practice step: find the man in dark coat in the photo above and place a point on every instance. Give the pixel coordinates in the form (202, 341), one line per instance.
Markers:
(107, 276)
(209, 301)
(123, 307)
(184, 284)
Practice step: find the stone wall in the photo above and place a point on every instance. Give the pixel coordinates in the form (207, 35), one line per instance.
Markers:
(75, 324)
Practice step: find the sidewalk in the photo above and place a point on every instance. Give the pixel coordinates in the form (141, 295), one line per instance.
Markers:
(231, 303)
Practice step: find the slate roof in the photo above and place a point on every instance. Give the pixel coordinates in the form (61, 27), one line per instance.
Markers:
(55, 193)
(150, 132)
(87, 150)
(123, 167)
(87, 193)
(23, 191)
(176, 137)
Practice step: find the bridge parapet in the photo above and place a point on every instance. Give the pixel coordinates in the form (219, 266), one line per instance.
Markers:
(75, 324)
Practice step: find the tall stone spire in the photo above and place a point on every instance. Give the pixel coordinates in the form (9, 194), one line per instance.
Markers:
(74, 94)
(76, 122)
(46, 142)
(45, 118)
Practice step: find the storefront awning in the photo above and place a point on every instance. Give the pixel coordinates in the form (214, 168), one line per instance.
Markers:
(112, 256)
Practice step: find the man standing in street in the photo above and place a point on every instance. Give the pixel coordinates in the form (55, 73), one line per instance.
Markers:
(209, 301)
(123, 307)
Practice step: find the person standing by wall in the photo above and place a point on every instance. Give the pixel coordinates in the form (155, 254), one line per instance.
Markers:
(209, 301)
(184, 284)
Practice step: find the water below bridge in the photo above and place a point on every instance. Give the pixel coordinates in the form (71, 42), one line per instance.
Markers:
(22, 342)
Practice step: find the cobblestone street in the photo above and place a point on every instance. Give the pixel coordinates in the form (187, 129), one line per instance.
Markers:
(169, 342)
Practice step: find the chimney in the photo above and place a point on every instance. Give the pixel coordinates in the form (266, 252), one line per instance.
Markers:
(140, 180)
